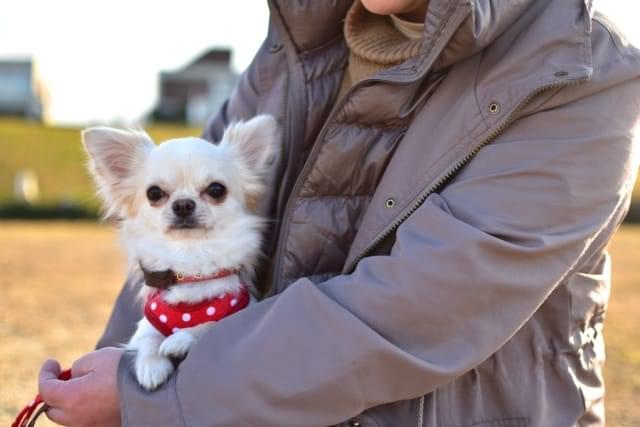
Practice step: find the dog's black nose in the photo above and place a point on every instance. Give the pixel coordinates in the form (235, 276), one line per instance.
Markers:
(183, 207)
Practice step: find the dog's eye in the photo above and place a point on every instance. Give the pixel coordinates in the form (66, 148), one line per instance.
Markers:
(216, 190)
(154, 193)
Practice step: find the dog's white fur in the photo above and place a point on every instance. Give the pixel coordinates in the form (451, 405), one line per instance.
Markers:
(228, 234)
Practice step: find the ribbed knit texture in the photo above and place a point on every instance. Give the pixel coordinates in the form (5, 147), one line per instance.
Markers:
(374, 44)
(413, 30)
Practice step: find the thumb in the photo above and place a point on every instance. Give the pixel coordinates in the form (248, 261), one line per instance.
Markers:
(82, 366)
(50, 388)
(49, 371)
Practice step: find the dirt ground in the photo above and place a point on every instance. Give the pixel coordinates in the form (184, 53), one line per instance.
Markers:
(59, 280)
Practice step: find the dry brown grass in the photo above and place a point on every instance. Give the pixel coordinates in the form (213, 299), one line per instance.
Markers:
(59, 280)
(622, 331)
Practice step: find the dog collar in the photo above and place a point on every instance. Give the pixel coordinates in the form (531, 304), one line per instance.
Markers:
(166, 278)
(170, 318)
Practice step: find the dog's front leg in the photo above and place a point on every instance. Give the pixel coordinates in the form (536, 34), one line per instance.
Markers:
(152, 369)
(180, 342)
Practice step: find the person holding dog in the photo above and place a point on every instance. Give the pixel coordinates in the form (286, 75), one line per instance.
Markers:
(450, 175)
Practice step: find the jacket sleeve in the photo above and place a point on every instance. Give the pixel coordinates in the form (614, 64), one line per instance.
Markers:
(468, 268)
(124, 316)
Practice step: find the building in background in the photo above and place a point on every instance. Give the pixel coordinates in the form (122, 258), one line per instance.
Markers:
(21, 91)
(195, 92)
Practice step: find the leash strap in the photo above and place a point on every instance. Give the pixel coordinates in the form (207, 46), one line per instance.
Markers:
(30, 413)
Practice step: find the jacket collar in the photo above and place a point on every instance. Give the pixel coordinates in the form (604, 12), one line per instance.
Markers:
(310, 24)
(484, 21)
(454, 30)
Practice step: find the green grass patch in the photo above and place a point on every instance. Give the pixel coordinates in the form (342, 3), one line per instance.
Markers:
(57, 157)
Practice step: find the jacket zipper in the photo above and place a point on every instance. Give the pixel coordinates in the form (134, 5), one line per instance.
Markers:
(451, 172)
(273, 242)
(459, 165)
(275, 285)
(286, 134)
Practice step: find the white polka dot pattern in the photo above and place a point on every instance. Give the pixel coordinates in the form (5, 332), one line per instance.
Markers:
(168, 318)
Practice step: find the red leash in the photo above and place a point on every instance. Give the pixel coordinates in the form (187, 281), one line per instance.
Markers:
(26, 418)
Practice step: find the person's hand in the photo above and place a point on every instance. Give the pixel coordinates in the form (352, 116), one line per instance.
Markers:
(90, 397)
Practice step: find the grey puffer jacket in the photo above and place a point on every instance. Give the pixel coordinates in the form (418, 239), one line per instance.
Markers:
(438, 255)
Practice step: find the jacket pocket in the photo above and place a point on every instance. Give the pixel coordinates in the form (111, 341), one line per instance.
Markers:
(502, 422)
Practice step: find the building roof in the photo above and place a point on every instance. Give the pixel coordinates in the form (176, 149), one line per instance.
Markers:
(201, 67)
(13, 64)
(216, 55)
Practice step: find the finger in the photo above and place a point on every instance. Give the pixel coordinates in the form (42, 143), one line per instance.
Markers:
(58, 416)
(51, 389)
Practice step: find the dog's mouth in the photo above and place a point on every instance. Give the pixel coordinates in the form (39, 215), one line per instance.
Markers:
(185, 224)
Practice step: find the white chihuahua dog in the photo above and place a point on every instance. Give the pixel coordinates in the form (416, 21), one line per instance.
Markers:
(187, 219)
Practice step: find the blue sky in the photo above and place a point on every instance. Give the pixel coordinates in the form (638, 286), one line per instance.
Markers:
(100, 60)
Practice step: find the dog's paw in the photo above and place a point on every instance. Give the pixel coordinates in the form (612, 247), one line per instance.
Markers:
(153, 371)
(177, 344)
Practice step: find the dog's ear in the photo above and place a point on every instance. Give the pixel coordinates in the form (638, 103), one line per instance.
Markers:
(115, 157)
(255, 140)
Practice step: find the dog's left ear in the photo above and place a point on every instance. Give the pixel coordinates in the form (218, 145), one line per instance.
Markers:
(256, 141)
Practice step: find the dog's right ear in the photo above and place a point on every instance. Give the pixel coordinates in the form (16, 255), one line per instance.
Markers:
(115, 157)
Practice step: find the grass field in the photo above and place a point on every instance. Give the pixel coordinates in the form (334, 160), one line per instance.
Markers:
(52, 308)
(57, 157)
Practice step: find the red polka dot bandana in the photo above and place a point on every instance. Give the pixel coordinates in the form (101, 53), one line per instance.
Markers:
(169, 319)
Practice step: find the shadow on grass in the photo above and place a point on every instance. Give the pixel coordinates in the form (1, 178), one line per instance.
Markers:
(633, 217)
(19, 210)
